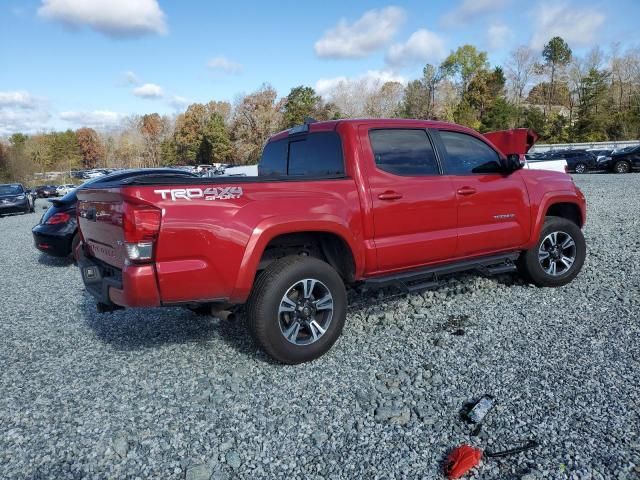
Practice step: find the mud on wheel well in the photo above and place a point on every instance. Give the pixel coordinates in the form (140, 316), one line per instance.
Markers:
(327, 247)
(569, 211)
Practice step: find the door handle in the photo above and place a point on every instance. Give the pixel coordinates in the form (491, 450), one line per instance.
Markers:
(390, 195)
(466, 191)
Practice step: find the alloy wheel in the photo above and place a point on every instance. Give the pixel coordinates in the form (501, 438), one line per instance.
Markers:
(557, 253)
(622, 167)
(305, 311)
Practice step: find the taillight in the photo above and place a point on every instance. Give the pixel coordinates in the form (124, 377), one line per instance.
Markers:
(58, 218)
(566, 169)
(141, 225)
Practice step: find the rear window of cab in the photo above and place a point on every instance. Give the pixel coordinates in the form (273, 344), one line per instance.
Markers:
(311, 155)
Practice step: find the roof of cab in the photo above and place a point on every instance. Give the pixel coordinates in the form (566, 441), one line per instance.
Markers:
(330, 125)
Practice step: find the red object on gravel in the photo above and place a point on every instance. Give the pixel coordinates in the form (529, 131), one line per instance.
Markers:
(461, 460)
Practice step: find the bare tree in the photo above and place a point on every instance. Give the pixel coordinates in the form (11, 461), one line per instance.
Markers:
(385, 101)
(351, 96)
(520, 71)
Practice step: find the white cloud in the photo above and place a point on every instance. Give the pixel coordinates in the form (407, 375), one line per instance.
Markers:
(578, 26)
(17, 99)
(178, 102)
(114, 18)
(369, 33)
(148, 90)
(470, 10)
(23, 121)
(224, 65)
(94, 119)
(370, 80)
(498, 36)
(421, 46)
(22, 112)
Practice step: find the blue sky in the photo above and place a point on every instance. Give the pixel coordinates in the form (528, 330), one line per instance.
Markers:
(70, 62)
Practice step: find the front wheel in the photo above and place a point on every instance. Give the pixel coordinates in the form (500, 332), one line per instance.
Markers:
(558, 255)
(297, 309)
(581, 168)
(622, 167)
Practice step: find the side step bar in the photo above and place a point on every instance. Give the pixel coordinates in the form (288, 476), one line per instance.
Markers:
(423, 279)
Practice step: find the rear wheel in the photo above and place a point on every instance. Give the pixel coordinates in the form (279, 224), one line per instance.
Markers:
(581, 168)
(622, 166)
(74, 245)
(297, 309)
(558, 255)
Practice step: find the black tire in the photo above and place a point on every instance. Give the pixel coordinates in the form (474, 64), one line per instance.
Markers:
(263, 308)
(531, 265)
(622, 166)
(580, 168)
(74, 244)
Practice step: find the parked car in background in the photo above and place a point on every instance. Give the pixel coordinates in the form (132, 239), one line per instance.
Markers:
(540, 162)
(94, 173)
(14, 198)
(578, 161)
(622, 161)
(601, 153)
(238, 171)
(64, 189)
(32, 193)
(57, 232)
(46, 191)
(202, 169)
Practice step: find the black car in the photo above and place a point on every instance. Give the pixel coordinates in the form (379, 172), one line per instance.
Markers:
(578, 161)
(57, 232)
(622, 161)
(14, 198)
(46, 191)
(601, 153)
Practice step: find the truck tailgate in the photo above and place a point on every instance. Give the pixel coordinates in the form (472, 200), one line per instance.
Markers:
(100, 218)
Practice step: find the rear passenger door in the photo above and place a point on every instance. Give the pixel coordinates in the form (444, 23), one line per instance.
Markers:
(414, 207)
(493, 206)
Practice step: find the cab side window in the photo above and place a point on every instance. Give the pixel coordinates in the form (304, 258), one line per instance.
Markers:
(403, 152)
(467, 155)
(312, 155)
(317, 154)
(274, 159)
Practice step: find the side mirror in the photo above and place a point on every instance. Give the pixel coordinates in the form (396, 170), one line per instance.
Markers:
(514, 162)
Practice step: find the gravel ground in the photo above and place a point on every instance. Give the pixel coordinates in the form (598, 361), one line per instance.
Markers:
(167, 394)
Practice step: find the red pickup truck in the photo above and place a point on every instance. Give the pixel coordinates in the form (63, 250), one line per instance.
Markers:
(400, 202)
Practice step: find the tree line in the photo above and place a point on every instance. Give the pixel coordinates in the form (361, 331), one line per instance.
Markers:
(564, 97)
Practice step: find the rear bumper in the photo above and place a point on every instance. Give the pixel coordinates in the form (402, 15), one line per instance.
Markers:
(133, 286)
(56, 242)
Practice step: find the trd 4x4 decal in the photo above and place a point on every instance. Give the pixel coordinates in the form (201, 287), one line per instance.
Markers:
(210, 193)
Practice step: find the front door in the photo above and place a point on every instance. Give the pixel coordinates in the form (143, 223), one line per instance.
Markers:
(493, 207)
(414, 205)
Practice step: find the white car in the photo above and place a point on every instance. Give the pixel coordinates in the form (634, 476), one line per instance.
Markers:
(240, 171)
(64, 189)
(553, 164)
